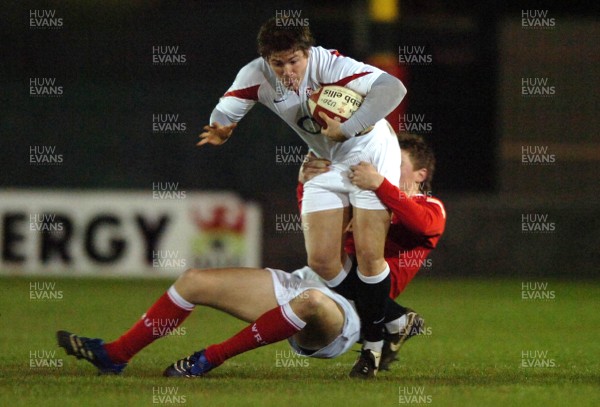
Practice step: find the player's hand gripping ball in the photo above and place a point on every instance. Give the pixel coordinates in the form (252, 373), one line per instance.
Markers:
(337, 102)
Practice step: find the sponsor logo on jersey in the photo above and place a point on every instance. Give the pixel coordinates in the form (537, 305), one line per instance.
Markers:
(310, 125)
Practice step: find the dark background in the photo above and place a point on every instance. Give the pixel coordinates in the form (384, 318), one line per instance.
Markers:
(102, 56)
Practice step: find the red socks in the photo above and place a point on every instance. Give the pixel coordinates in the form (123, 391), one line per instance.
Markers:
(273, 326)
(167, 313)
(170, 310)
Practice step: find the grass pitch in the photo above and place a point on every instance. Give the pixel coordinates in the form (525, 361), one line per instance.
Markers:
(485, 346)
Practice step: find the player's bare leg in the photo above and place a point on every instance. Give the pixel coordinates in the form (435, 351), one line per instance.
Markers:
(245, 293)
(324, 319)
(324, 233)
(370, 229)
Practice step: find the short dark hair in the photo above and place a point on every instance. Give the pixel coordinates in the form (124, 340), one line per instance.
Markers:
(275, 37)
(421, 155)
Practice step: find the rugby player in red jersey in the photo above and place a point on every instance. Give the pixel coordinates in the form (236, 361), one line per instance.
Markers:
(417, 224)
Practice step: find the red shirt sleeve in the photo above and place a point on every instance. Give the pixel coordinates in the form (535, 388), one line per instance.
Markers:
(427, 217)
(300, 195)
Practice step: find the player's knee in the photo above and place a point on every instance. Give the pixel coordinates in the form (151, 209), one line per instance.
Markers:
(188, 275)
(367, 254)
(370, 262)
(194, 281)
(324, 265)
(310, 303)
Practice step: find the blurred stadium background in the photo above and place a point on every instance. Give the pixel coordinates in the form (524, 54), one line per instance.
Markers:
(124, 121)
(101, 106)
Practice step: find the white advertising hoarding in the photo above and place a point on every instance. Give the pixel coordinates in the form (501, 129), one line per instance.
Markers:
(152, 233)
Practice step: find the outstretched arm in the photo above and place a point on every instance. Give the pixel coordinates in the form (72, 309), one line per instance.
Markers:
(219, 131)
(233, 106)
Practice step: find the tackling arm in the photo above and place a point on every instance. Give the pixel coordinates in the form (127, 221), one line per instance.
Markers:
(425, 219)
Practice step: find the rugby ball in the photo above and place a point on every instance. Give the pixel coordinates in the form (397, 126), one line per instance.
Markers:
(335, 101)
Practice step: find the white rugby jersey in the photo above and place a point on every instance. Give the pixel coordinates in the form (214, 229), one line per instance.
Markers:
(256, 82)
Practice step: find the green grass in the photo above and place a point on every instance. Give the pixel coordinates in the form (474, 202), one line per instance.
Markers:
(470, 357)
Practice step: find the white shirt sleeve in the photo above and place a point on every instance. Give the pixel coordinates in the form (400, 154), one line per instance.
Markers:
(242, 95)
(334, 68)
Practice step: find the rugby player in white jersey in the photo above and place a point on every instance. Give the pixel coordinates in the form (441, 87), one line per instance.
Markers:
(288, 70)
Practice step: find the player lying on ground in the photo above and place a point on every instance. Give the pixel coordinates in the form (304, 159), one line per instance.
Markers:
(289, 70)
(296, 306)
(417, 225)
(227, 290)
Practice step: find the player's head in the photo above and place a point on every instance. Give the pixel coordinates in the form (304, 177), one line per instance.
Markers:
(276, 36)
(286, 48)
(418, 164)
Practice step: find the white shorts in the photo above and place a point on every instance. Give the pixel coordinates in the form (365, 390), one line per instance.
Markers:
(333, 189)
(290, 285)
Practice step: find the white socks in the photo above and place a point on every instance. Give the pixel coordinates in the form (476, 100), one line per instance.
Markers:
(396, 325)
